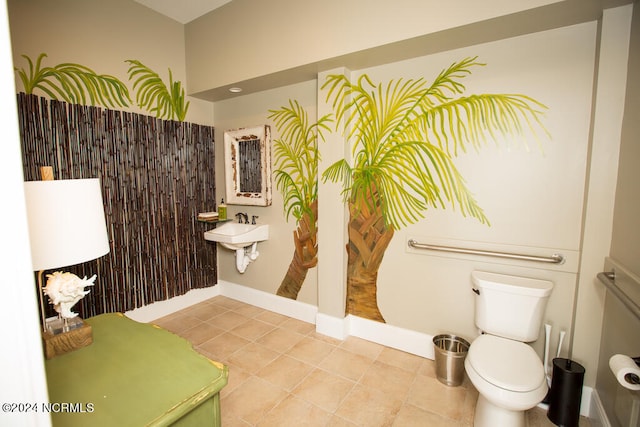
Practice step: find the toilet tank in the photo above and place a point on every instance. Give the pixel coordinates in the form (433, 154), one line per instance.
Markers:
(510, 306)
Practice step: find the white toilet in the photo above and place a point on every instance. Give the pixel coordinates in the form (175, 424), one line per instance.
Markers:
(507, 373)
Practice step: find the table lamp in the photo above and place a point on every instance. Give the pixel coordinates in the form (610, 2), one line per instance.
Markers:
(66, 227)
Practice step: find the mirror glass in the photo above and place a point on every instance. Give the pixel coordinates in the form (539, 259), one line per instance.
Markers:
(248, 166)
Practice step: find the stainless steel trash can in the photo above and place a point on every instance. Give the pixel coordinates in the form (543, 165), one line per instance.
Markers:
(450, 352)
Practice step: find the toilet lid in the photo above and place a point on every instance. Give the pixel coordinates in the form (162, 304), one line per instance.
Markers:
(508, 364)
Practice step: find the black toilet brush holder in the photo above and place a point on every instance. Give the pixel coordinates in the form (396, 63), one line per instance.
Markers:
(566, 392)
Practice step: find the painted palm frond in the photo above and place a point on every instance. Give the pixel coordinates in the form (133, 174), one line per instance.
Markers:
(73, 83)
(405, 133)
(296, 157)
(163, 101)
(296, 175)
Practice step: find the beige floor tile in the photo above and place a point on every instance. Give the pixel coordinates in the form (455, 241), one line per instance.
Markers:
(337, 421)
(280, 340)
(229, 420)
(324, 389)
(390, 379)
(295, 412)
(249, 310)
(252, 329)
(201, 333)
(237, 377)
(229, 303)
(362, 347)
(412, 416)
(253, 357)
(346, 364)
(272, 318)
(228, 320)
(408, 362)
(221, 347)
(469, 405)
(295, 325)
(285, 372)
(205, 311)
(325, 338)
(537, 417)
(371, 407)
(428, 368)
(252, 400)
(311, 350)
(431, 395)
(281, 373)
(178, 323)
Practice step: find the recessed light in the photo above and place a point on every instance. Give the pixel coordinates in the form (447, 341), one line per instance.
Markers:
(235, 89)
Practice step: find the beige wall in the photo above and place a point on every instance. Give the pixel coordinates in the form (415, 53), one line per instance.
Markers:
(621, 329)
(625, 246)
(532, 194)
(101, 35)
(262, 43)
(609, 87)
(541, 205)
(267, 272)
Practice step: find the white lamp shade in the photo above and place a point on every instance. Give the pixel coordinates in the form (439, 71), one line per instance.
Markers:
(66, 222)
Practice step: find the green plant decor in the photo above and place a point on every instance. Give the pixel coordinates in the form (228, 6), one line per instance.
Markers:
(152, 94)
(404, 136)
(73, 83)
(296, 177)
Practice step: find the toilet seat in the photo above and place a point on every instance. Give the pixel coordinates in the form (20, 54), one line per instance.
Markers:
(507, 364)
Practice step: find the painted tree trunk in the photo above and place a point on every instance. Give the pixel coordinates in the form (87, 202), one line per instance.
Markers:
(305, 255)
(369, 238)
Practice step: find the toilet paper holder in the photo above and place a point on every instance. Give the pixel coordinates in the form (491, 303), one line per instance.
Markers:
(633, 378)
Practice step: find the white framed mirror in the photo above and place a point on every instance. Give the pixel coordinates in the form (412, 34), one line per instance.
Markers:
(247, 163)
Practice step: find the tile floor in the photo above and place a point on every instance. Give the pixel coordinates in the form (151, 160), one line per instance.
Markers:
(283, 373)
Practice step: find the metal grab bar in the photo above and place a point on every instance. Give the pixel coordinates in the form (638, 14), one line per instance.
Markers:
(553, 259)
(608, 279)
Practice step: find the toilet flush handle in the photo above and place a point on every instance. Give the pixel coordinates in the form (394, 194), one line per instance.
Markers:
(477, 291)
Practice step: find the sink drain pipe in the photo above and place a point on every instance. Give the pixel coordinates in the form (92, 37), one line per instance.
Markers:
(246, 256)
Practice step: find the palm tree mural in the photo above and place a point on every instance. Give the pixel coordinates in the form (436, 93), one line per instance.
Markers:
(296, 176)
(78, 84)
(73, 83)
(404, 136)
(162, 100)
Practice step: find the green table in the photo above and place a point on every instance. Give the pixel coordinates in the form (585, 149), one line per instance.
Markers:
(134, 374)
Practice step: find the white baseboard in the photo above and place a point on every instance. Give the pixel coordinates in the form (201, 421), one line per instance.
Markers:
(391, 336)
(285, 306)
(597, 414)
(406, 340)
(159, 309)
(333, 327)
(585, 403)
(340, 328)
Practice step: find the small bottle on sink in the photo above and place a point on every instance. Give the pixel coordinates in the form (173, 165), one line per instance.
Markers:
(222, 211)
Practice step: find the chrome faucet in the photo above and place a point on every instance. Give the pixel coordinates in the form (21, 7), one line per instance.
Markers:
(240, 215)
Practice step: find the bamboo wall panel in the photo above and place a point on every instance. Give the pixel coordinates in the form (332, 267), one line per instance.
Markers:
(156, 175)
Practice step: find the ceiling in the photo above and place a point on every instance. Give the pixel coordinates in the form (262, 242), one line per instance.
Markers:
(183, 11)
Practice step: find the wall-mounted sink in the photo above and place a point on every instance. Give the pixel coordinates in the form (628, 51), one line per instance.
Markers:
(241, 238)
(234, 236)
